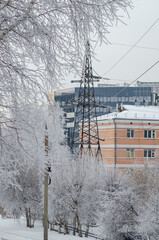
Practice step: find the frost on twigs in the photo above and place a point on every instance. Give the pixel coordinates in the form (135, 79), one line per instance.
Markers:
(41, 41)
(50, 35)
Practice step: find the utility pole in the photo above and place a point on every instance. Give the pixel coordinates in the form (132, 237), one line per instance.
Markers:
(47, 179)
(45, 219)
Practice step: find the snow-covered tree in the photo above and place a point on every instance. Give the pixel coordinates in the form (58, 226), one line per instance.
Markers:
(130, 206)
(118, 214)
(41, 41)
(146, 186)
(75, 193)
(49, 35)
(23, 159)
(21, 163)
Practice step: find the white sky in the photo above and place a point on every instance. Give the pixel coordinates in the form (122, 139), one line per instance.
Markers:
(142, 16)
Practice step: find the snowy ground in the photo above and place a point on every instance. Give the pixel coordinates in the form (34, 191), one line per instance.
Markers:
(11, 229)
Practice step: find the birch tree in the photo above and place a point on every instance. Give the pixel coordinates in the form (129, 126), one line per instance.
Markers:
(146, 185)
(42, 41)
(74, 196)
(49, 35)
(23, 162)
(119, 210)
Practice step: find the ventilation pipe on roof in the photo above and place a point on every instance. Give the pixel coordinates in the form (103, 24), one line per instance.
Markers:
(145, 102)
(154, 99)
(157, 100)
(137, 102)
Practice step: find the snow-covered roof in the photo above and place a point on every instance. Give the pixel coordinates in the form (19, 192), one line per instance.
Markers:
(133, 112)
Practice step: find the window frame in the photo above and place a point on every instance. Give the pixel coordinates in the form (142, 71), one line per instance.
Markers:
(129, 133)
(150, 134)
(149, 153)
(129, 152)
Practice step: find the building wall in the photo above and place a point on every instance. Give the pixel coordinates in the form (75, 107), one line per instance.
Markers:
(120, 149)
(107, 98)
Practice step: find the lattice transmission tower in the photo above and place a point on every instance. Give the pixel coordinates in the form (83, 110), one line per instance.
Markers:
(85, 133)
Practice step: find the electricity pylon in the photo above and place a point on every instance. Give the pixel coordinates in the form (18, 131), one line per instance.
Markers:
(85, 133)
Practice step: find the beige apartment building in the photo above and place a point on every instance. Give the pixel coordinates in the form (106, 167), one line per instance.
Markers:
(130, 136)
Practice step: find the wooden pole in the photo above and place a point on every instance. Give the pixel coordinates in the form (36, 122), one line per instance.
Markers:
(46, 189)
(46, 205)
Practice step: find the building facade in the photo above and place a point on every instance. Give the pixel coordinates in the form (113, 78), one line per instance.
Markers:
(130, 136)
(108, 97)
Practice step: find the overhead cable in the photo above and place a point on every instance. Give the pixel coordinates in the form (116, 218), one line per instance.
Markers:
(137, 78)
(128, 45)
(114, 65)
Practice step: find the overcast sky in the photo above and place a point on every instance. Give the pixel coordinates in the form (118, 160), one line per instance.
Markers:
(140, 58)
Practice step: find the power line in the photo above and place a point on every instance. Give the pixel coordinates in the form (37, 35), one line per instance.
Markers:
(137, 78)
(128, 45)
(114, 65)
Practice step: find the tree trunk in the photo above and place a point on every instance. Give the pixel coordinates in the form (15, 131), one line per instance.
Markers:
(52, 226)
(29, 213)
(34, 219)
(79, 226)
(87, 230)
(74, 226)
(65, 227)
(27, 217)
(59, 228)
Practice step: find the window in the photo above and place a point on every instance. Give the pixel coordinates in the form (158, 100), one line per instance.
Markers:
(149, 153)
(130, 133)
(63, 103)
(149, 134)
(131, 99)
(130, 153)
(149, 99)
(97, 109)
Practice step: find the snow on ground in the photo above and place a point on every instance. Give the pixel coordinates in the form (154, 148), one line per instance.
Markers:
(12, 229)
